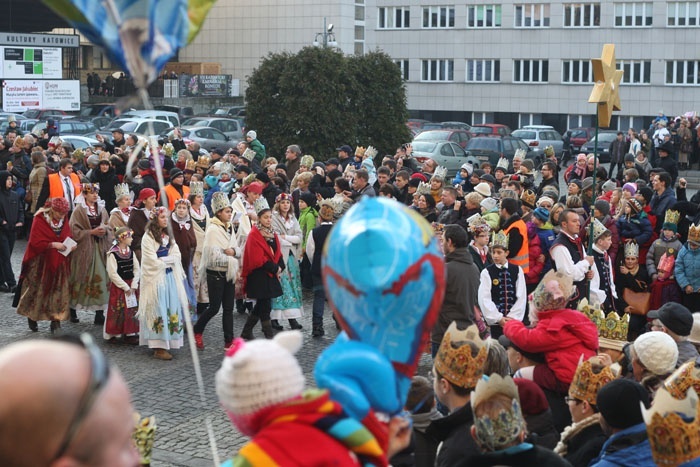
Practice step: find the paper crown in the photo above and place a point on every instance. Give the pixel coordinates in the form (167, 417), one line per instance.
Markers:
(612, 329)
(673, 428)
(248, 154)
(307, 160)
(78, 154)
(476, 224)
(219, 201)
(144, 435)
(502, 164)
(121, 189)
(499, 240)
(694, 233)
(197, 188)
(360, 151)
(190, 165)
(440, 172)
(631, 249)
(225, 168)
(672, 217)
(371, 151)
(90, 187)
(498, 432)
(528, 198)
(168, 149)
(549, 151)
(203, 162)
(19, 142)
(458, 366)
(423, 188)
(520, 153)
(261, 205)
(598, 229)
(586, 382)
(684, 378)
(122, 232)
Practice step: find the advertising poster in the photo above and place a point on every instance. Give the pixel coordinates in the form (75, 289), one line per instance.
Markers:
(21, 95)
(31, 63)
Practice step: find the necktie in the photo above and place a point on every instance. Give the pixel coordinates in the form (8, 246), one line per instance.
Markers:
(69, 194)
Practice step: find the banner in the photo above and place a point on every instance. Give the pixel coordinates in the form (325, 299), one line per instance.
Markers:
(205, 85)
(31, 63)
(21, 95)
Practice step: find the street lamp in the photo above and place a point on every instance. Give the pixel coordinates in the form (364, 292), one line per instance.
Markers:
(327, 36)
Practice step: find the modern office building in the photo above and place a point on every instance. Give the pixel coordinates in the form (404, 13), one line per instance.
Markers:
(513, 62)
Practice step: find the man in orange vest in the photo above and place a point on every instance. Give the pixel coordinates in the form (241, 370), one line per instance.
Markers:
(64, 184)
(516, 230)
(175, 189)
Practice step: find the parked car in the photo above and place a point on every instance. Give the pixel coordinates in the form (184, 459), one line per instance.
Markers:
(43, 114)
(138, 126)
(578, 137)
(99, 121)
(456, 136)
(80, 142)
(539, 137)
(416, 123)
(447, 154)
(605, 138)
(456, 125)
(491, 148)
(25, 126)
(207, 137)
(68, 127)
(98, 110)
(231, 127)
(232, 111)
(489, 129)
(182, 111)
(171, 117)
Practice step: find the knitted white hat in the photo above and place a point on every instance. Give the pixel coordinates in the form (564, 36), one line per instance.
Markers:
(488, 204)
(259, 374)
(657, 351)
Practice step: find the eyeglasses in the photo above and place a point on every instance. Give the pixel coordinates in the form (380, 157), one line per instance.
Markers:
(568, 399)
(99, 375)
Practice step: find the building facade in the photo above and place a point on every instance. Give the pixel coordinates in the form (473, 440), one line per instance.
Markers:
(512, 62)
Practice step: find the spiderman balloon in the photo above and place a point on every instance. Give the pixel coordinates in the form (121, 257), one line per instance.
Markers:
(385, 281)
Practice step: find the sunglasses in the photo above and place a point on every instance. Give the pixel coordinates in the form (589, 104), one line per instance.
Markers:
(99, 375)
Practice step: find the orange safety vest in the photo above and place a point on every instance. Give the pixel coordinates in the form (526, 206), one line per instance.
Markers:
(173, 195)
(56, 185)
(522, 257)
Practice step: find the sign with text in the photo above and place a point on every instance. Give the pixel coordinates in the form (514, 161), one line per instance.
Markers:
(31, 63)
(21, 95)
(205, 85)
(39, 40)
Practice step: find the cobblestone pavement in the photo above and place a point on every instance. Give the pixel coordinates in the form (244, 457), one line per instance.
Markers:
(168, 390)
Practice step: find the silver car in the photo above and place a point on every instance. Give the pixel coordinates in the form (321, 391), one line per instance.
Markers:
(207, 137)
(445, 153)
(539, 137)
(231, 127)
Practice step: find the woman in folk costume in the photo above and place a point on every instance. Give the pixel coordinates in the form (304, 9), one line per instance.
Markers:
(119, 217)
(139, 217)
(163, 296)
(43, 292)
(262, 267)
(123, 271)
(243, 217)
(89, 287)
(199, 214)
(187, 243)
(219, 268)
(288, 305)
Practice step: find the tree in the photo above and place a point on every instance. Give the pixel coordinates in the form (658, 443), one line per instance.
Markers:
(320, 99)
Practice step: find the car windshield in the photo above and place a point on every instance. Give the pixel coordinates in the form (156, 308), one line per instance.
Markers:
(525, 134)
(433, 136)
(424, 146)
(604, 138)
(34, 113)
(490, 144)
(481, 130)
(127, 126)
(578, 134)
(90, 111)
(219, 111)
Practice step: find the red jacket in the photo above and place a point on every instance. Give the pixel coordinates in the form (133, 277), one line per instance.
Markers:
(534, 275)
(562, 335)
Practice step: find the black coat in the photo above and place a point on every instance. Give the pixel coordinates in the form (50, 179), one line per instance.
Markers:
(11, 207)
(259, 284)
(454, 432)
(585, 446)
(534, 457)
(107, 181)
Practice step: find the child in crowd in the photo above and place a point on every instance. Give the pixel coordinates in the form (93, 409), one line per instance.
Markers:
(603, 291)
(688, 269)
(124, 272)
(660, 262)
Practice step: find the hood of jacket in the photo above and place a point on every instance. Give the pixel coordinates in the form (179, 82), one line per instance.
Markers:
(4, 175)
(460, 255)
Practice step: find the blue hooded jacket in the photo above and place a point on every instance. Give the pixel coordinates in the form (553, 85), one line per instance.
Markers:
(629, 447)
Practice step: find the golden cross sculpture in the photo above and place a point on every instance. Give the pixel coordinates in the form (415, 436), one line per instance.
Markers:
(606, 90)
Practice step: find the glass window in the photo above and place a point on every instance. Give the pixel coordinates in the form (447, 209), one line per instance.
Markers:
(576, 71)
(532, 15)
(484, 16)
(393, 18)
(483, 71)
(635, 71)
(633, 14)
(581, 15)
(438, 17)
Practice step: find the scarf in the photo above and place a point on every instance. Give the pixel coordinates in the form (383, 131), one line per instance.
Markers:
(266, 232)
(572, 430)
(219, 236)
(42, 235)
(258, 252)
(183, 222)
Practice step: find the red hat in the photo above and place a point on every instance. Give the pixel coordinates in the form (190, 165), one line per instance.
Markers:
(255, 187)
(419, 176)
(146, 193)
(532, 398)
(60, 205)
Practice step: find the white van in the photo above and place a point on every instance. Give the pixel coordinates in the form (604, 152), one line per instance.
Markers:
(171, 117)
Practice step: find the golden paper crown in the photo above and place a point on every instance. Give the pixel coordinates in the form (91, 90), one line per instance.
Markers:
(190, 165)
(672, 217)
(612, 329)
(549, 151)
(684, 378)
(423, 189)
(121, 189)
(529, 198)
(631, 249)
(307, 160)
(586, 383)
(203, 162)
(673, 439)
(78, 154)
(360, 151)
(168, 149)
(440, 172)
(144, 435)
(598, 229)
(499, 240)
(694, 233)
(458, 366)
(197, 188)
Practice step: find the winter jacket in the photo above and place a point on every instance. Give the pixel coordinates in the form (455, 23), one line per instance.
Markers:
(524, 455)
(11, 206)
(657, 250)
(585, 445)
(547, 237)
(453, 434)
(562, 335)
(687, 269)
(629, 447)
(660, 203)
(461, 293)
(493, 219)
(637, 227)
(669, 165)
(259, 149)
(534, 275)
(307, 222)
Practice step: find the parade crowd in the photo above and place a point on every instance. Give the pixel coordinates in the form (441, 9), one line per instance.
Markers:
(569, 331)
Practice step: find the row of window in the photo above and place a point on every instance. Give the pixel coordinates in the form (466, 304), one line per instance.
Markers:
(537, 15)
(678, 72)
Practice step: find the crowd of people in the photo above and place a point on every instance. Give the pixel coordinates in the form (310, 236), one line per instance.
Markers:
(583, 293)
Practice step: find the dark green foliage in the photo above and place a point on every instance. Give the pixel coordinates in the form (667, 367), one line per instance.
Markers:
(320, 99)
